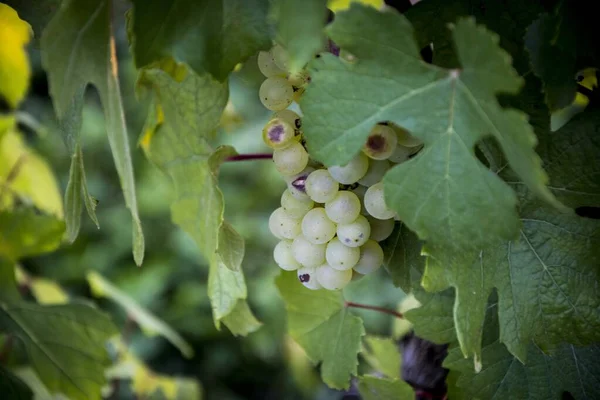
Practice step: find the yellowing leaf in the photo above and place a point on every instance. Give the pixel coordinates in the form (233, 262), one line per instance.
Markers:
(44, 290)
(340, 5)
(14, 66)
(26, 174)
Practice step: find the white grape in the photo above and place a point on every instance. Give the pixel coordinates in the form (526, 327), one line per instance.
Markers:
(278, 133)
(340, 256)
(283, 256)
(267, 66)
(283, 226)
(308, 254)
(317, 227)
(321, 187)
(280, 57)
(371, 258)
(333, 279)
(375, 203)
(343, 208)
(290, 117)
(297, 183)
(351, 172)
(376, 171)
(404, 137)
(294, 207)
(308, 277)
(381, 229)
(381, 142)
(401, 154)
(276, 93)
(356, 233)
(291, 159)
(360, 193)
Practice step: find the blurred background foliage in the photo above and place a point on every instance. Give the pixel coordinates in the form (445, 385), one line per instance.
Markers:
(172, 283)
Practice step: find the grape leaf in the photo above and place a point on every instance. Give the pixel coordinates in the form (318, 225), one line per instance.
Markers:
(186, 112)
(560, 44)
(12, 387)
(14, 65)
(545, 376)
(546, 278)
(444, 194)
(320, 323)
(383, 355)
(25, 232)
(78, 49)
(40, 391)
(373, 388)
(65, 344)
(300, 30)
(8, 284)
(209, 36)
(36, 13)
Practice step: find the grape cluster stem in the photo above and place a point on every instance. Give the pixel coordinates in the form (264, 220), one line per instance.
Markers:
(396, 314)
(247, 157)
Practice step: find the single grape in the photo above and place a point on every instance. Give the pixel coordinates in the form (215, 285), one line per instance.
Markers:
(308, 277)
(401, 154)
(375, 203)
(283, 256)
(267, 66)
(291, 159)
(343, 208)
(308, 254)
(381, 142)
(278, 134)
(371, 258)
(356, 233)
(404, 137)
(381, 229)
(297, 183)
(280, 57)
(294, 207)
(320, 186)
(276, 93)
(333, 279)
(290, 117)
(340, 256)
(283, 226)
(376, 171)
(316, 227)
(351, 172)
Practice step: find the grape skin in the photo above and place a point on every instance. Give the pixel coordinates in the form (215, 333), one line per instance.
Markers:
(308, 277)
(282, 253)
(340, 256)
(294, 207)
(375, 203)
(296, 183)
(291, 159)
(381, 229)
(375, 173)
(283, 226)
(343, 208)
(278, 133)
(321, 187)
(280, 56)
(371, 258)
(290, 117)
(276, 93)
(401, 154)
(267, 66)
(351, 172)
(356, 233)
(317, 227)
(381, 142)
(404, 137)
(308, 254)
(333, 279)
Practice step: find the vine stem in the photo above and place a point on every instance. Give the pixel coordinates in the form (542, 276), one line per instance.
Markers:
(374, 308)
(251, 156)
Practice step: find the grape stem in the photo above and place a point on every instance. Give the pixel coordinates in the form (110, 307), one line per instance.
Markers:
(246, 157)
(374, 308)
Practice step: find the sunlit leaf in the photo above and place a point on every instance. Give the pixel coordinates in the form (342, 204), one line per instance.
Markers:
(382, 355)
(374, 388)
(44, 290)
(14, 65)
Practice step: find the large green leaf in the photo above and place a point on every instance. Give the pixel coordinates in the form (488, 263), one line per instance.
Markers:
(148, 322)
(383, 355)
(373, 388)
(321, 324)
(186, 113)
(26, 232)
(209, 36)
(300, 29)
(12, 387)
(78, 49)
(8, 284)
(444, 194)
(65, 344)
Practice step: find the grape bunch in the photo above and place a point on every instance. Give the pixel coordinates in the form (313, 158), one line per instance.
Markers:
(331, 220)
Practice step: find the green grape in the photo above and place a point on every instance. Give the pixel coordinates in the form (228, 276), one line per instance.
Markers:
(375, 203)
(333, 279)
(283, 256)
(404, 137)
(381, 142)
(320, 186)
(278, 134)
(343, 208)
(381, 229)
(316, 227)
(401, 154)
(308, 277)
(371, 258)
(266, 65)
(290, 160)
(356, 233)
(308, 254)
(276, 93)
(351, 172)
(340, 256)
(296, 184)
(283, 226)
(376, 171)
(294, 207)
(280, 57)
(290, 117)
(360, 193)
